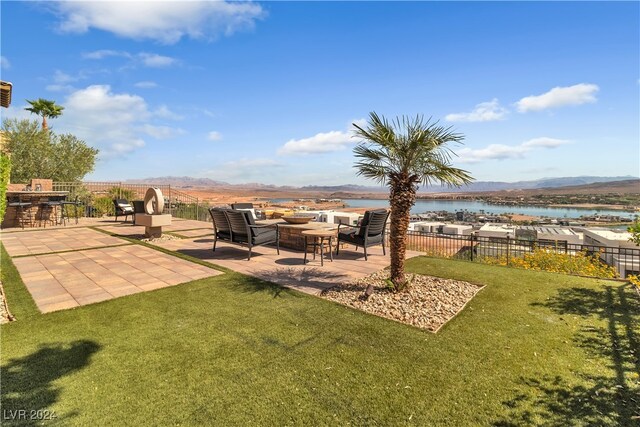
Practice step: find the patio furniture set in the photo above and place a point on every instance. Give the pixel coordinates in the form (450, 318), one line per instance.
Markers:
(239, 226)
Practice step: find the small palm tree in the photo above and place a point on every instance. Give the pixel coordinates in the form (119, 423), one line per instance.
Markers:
(403, 154)
(45, 108)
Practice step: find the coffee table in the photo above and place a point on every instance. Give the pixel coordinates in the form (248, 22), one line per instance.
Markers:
(319, 237)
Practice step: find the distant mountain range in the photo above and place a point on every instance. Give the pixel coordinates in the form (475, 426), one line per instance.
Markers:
(478, 186)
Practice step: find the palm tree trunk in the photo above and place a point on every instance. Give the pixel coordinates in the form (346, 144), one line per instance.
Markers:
(44, 123)
(401, 198)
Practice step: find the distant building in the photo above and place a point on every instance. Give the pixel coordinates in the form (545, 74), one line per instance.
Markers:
(348, 218)
(626, 259)
(541, 232)
(531, 232)
(428, 227)
(497, 230)
(457, 229)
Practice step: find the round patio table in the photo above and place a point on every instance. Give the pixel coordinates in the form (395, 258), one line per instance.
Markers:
(319, 237)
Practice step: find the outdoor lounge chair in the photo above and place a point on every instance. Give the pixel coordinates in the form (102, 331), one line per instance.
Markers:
(221, 227)
(247, 207)
(244, 230)
(369, 233)
(122, 207)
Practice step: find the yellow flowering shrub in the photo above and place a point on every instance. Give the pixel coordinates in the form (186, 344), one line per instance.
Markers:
(580, 263)
(634, 280)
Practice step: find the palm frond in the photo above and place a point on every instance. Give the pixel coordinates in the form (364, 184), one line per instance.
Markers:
(410, 147)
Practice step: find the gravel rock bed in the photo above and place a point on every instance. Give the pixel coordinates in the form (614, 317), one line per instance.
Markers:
(429, 303)
(162, 238)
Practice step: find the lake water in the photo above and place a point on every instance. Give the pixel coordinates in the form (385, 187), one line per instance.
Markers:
(422, 206)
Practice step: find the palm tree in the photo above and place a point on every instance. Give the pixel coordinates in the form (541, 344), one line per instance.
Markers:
(45, 108)
(403, 154)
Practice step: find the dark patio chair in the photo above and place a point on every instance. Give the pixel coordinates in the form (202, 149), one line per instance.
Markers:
(244, 230)
(69, 207)
(221, 227)
(248, 207)
(122, 207)
(138, 208)
(370, 232)
(22, 211)
(241, 205)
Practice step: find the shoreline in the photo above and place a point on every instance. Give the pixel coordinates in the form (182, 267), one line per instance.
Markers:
(264, 198)
(595, 206)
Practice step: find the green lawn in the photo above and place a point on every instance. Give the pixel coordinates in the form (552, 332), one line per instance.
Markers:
(531, 348)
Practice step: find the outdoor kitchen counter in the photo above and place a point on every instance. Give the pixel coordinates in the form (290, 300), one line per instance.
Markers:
(291, 234)
(33, 197)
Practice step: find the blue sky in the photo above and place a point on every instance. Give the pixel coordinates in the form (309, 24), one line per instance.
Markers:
(266, 92)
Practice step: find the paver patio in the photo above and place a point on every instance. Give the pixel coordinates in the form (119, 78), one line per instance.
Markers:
(55, 240)
(183, 227)
(94, 273)
(71, 279)
(286, 269)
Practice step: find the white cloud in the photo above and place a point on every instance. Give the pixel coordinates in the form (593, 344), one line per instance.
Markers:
(4, 62)
(324, 142)
(164, 113)
(492, 152)
(156, 61)
(359, 122)
(582, 93)
(146, 84)
(148, 59)
(61, 78)
(214, 136)
(106, 120)
(59, 88)
(545, 142)
(62, 81)
(483, 112)
(166, 22)
(502, 152)
(115, 123)
(162, 132)
(18, 113)
(104, 53)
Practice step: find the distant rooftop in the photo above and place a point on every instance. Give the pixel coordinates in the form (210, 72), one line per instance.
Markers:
(497, 227)
(610, 234)
(540, 229)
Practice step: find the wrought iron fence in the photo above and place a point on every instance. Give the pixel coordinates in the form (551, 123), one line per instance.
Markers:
(97, 197)
(549, 255)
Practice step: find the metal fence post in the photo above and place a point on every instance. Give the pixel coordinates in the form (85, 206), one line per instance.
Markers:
(508, 239)
(471, 236)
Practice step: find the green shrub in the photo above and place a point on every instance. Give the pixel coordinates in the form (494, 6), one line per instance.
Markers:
(103, 206)
(580, 263)
(635, 233)
(5, 172)
(122, 193)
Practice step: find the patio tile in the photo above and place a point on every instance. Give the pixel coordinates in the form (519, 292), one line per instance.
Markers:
(63, 305)
(59, 281)
(54, 240)
(286, 269)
